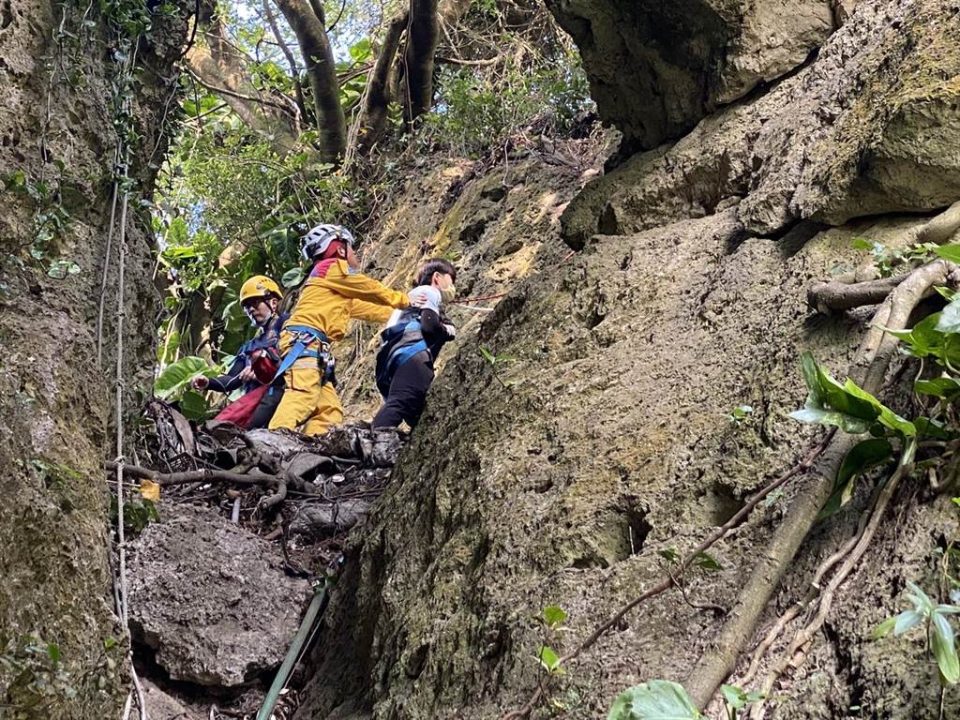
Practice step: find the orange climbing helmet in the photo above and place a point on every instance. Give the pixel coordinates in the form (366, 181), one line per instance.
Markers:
(259, 286)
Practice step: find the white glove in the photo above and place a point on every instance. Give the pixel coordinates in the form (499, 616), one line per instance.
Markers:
(451, 331)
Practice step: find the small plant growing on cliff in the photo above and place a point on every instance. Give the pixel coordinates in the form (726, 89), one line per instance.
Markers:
(667, 700)
(935, 619)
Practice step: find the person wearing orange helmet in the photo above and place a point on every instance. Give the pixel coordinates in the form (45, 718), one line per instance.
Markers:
(255, 365)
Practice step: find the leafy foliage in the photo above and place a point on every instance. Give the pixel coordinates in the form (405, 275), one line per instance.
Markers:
(737, 699)
(936, 619)
(654, 700)
(32, 675)
(476, 110)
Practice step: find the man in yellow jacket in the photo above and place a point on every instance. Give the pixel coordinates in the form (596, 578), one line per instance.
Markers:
(334, 293)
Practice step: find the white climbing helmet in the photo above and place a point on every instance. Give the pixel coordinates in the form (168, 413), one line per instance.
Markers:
(319, 238)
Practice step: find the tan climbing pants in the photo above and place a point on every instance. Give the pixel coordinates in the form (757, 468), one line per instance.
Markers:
(306, 405)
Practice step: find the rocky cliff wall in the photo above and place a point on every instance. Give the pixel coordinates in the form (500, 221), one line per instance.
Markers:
(60, 67)
(610, 439)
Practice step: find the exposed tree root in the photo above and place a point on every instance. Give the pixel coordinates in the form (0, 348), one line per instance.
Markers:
(870, 366)
(795, 652)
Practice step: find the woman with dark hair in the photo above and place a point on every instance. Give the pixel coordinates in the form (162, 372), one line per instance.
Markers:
(410, 344)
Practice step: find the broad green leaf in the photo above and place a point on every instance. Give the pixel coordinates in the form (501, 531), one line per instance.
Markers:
(177, 376)
(654, 700)
(946, 292)
(886, 416)
(673, 556)
(292, 277)
(811, 375)
(53, 652)
(944, 648)
(549, 660)
(947, 609)
(950, 318)
(906, 621)
(554, 615)
(884, 628)
(919, 597)
(848, 424)
(949, 252)
(862, 457)
(860, 243)
(927, 428)
(193, 405)
(942, 387)
(734, 696)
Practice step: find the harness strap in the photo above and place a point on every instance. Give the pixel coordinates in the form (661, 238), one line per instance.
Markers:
(400, 356)
(306, 336)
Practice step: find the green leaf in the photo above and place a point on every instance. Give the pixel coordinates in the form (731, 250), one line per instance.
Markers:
(945, 649)
(734, 696)
(53, 652)
(671, 555)
(707, 562)
(949, 321)
(919, 598)
(848, 424)
(860, 243)
(194, 406)
(550, 660)
(862, 456)
(927, 428)
(946, 292)
(554, 615)
(906, 621)
(176, 377)
(654, 700)
(884, 628)
(292, 277)
(488, 356)
(949, 252)
(941, 387)
(887, 416)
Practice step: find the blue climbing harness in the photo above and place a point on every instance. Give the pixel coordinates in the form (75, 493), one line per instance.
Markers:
(399, 343)
(306, 337)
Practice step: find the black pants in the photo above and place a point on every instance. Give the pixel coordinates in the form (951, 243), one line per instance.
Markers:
(267, 407)
(408, 393)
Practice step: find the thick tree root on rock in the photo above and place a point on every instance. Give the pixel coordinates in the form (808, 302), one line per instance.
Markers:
(794, 653)
(869, 368)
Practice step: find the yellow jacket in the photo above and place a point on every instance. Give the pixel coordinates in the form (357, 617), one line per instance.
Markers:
(328, 302)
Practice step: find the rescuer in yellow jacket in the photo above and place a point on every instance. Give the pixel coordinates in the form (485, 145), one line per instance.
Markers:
(333, 294)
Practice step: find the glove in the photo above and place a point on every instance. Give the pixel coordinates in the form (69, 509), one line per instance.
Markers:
(451, 331)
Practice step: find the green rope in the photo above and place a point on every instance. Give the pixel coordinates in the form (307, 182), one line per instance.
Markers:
(315, 610)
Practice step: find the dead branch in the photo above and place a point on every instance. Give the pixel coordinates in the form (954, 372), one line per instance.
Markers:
(253, 477)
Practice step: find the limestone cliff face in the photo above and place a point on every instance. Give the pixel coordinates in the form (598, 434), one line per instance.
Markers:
(686, 299)
(657, 68)
(57, 141)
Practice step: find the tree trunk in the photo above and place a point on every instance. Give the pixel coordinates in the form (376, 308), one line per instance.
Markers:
(58, 143)
(379, 95)
(308, 24)
(422, 39)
